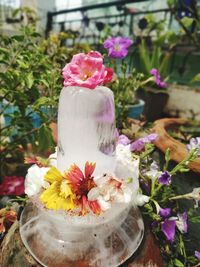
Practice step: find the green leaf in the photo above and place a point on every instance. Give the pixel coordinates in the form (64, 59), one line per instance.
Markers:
(187, 22)
(4, 50)
(36, 34)
(45, 140)
(163, 69)
(196, 78)
(42, 101)
(168, 154)
(18, 38)
(156, 57)
(178, 263)
(171, 2)
(145, 57)
(29, 80)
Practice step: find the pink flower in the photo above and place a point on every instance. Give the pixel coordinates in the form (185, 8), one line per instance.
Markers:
(12, 185)
(86, 70)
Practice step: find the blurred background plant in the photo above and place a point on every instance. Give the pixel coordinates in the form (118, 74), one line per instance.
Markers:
(30, 85)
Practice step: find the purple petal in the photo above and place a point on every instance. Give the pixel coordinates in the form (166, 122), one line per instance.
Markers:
(154, 72)
(117, 46)
(157, 76)
(125, 42)
(182, 223)
(122, 53)
(165, 178)
(138, 145)
(162, 84)
(124, 140)
(168, 228)
(197, 254)
(108, 43)
(164, 213)
(152, 137)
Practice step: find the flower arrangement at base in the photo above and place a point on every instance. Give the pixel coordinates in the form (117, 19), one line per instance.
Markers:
(79, 192)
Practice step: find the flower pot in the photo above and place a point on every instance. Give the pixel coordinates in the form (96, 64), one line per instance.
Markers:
(135, 110)
(155, 103)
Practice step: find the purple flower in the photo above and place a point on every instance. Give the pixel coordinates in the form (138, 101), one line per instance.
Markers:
(194, 143)
(165, 178)
(182, 222)
(164, 213)
(139, 144)
(168, 228)
(157, 76)
(117, 46)
(151, 137)
(197, 254)
(124, 140)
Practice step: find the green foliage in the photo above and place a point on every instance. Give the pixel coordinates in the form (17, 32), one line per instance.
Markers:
(175, 253)
(124, 87)
(30, 82)
(154, 58)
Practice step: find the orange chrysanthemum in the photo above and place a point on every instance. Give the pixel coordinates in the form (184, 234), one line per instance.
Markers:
(81, 184)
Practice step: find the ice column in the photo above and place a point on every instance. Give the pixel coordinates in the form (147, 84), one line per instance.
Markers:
(86, 128)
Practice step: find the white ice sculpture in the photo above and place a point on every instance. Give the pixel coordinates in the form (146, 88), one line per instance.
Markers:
(86, 128)
(86, 132)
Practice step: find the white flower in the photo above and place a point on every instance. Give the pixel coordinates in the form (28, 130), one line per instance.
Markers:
(194, 144)
(109, 190)
(127, 167)
(127, 164)
(154, 172)
(141, 199)
(35, 180)
(195, 194)
(53, 158)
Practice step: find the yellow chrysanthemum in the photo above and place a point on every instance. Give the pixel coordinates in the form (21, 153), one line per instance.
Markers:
(59, 195)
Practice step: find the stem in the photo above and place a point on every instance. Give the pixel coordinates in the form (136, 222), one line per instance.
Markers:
(150, 79)
(180, 197)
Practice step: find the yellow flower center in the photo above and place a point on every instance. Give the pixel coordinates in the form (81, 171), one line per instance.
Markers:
(86, 75)
(117, 47)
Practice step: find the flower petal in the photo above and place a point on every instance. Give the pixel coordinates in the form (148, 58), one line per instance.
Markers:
(89, 169)
(53, 175)
(168, 228)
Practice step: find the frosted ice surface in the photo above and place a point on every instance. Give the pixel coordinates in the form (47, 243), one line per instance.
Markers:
(53, 240)
(86, 128)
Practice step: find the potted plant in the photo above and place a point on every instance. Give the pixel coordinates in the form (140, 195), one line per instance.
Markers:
(154, 63)
(155, 94)
(127, 104)
(126, 81)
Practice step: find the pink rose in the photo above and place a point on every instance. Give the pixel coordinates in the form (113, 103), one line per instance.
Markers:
(86, 70)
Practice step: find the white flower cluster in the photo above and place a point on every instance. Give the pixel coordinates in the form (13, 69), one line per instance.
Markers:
(109, 190)
(34, 181)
